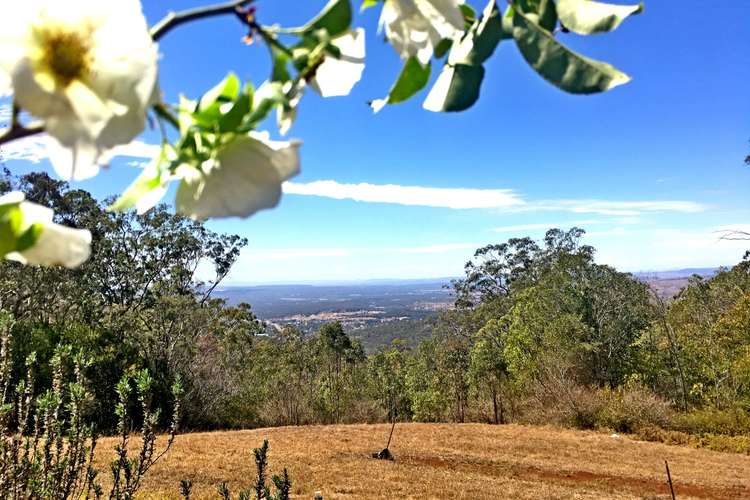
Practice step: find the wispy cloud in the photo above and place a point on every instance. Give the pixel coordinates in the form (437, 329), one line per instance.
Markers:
(504, 200)
(4, 114)
(32, 149)
(135, 149)
(615, 208)
(35, 149)
(457, 198)
(638, 250)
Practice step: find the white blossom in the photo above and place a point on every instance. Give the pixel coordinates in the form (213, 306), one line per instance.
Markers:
(337, 76)
(55, 244)
(245, 176)
(86, 68)
(415, 27)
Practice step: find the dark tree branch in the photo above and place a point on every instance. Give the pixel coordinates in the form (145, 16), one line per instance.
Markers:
(174, 19)
(19, 132)
(735, 235)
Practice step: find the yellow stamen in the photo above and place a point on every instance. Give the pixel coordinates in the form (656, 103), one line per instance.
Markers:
(64, 54)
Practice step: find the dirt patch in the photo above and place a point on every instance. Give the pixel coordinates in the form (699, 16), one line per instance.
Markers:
(638, 486)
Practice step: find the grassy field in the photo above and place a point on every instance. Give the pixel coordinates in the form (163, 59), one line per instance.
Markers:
(448, 461)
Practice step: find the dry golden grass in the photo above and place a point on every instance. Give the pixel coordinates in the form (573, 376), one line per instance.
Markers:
(448, 461)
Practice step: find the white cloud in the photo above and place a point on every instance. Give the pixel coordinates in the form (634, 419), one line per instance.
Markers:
(640, 250)
(137, 163)
(457, 198)
(32, 149)
(35, 149)
(616, 208)
(506, 200)
(135, 149)
(4, 114)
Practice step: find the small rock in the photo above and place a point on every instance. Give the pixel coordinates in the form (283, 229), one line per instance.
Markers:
(384, 454)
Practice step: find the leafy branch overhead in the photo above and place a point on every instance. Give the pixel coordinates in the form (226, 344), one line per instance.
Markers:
(86, 72)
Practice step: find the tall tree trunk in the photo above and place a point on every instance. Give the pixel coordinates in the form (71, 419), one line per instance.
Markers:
(494, 404)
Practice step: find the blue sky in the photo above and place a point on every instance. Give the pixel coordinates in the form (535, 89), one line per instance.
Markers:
(652, 169)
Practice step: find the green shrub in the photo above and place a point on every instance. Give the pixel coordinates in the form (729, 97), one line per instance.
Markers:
(734, 422)
(627, 409)
(47, 442)
(260, 489)
(715, 442)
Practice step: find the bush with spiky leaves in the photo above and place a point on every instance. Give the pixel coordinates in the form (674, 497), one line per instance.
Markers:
(47, 445)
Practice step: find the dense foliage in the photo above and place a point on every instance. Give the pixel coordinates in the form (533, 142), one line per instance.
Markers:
(540, 333)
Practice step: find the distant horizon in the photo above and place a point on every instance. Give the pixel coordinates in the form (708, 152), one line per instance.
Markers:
(395, 281)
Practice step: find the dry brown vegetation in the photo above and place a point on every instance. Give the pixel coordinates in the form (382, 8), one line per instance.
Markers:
(449, 461)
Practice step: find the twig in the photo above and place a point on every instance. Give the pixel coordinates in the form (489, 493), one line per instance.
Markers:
(391, 435)
(669, 480)
(174, 19)
(19, 132)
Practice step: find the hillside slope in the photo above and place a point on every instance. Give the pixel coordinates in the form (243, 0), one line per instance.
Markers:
(449, 461)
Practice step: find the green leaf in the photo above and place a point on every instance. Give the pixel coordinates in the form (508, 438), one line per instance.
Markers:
(149, 180)
(486, 35)
(507, 23)
(412, 79)
(366, 4)
(586, 16)
(185, 114)
(456, 89)
(214, 101)
(12, 237)
(336, 17)
(279, 69)
(442, 47)
(267, 97)
(225, 91)
(561, 66)
(29, 237)
(540, 12)
(232, 119)
(470, 15)
(8, 222)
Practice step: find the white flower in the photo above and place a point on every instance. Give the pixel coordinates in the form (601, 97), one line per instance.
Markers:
(415, 27)
(337, 77)
(55, 244)
(245, 177)
(87, 68)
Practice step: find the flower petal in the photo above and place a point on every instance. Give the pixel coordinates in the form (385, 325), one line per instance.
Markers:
(337, 77)
(245, 178)
(415, 27)
(75, 161)
(57, 246)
